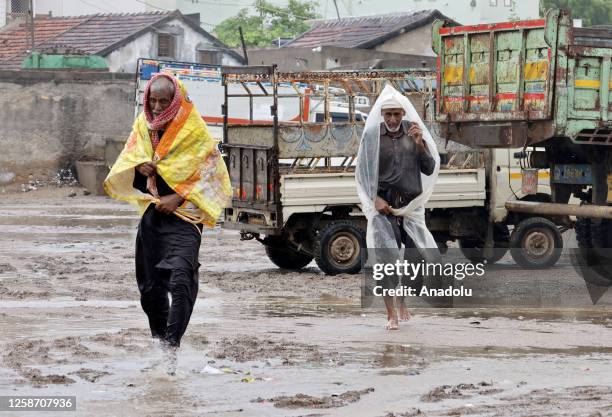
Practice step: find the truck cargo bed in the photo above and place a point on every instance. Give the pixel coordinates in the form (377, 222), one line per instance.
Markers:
(314, 191)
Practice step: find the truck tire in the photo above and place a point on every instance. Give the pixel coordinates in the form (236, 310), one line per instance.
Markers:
(536, 243)
(601, 234)
(594, 255)
(287, 258)
(339, 247)
(582, 227)
(473, 249)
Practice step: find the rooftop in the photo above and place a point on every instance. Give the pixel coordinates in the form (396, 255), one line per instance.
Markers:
(97, 34)
(363, 31)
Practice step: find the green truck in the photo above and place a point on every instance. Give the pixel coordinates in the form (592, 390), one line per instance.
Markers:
(537, 83)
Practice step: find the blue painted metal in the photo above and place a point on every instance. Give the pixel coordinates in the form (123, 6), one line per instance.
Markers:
(572, 174)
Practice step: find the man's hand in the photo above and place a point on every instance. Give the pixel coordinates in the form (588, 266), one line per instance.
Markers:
(147, 169)
(382, 206)
(417, 133)
(168, 203)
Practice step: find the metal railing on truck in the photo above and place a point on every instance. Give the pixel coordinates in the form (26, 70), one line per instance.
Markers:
(277, 123)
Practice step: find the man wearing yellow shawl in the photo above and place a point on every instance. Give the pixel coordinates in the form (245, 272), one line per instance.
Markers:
(171, 169)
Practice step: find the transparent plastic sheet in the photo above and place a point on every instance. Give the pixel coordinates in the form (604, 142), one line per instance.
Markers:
(379, 231)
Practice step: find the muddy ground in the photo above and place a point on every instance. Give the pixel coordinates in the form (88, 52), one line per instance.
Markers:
(266, 342)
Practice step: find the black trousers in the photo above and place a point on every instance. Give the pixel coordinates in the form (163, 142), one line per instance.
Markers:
(167, 262)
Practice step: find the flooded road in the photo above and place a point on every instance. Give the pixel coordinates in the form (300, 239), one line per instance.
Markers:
(266, 342)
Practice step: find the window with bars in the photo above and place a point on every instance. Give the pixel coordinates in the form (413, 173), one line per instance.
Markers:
(166, 45)
(19, 6)
(209, 57)
(493, 3)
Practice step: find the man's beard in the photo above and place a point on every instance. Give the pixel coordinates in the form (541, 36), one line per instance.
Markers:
(397, 128)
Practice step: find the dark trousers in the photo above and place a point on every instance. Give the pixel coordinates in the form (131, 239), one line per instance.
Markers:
(167, 262)
(169, 321)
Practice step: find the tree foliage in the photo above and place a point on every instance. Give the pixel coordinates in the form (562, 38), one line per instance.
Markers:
(268, 23)
(592, 12)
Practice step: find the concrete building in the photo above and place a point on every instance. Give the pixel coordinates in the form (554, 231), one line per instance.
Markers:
(120, 38)
(398, 40)
(466, 12)
(332, 57)
(400, 33)
(2, 13)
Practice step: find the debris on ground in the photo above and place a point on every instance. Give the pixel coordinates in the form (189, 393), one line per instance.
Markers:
(90, 375)
(414, 412)
(37, 379)
(64, 177)
(444, 392)
(211, 370)
(243, 348)
(308, 401)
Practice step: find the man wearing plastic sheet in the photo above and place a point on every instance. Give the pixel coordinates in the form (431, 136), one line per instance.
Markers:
(397, 167)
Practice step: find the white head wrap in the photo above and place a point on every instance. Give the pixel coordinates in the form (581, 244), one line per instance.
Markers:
(379, 232)
(391, 103)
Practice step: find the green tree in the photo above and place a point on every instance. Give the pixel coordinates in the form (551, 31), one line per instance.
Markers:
(268, 23)
(592, 12)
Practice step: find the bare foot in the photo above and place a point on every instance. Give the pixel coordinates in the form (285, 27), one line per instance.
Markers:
(170, 358)
(392, 324)
(404, 314)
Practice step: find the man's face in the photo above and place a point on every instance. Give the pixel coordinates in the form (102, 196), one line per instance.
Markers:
(160, 96)
(393, 117)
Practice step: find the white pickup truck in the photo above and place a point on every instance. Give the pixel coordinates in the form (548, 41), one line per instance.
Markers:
(295, 189)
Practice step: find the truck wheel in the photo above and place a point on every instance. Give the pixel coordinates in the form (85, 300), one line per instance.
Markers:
(339, 247)
(536, 243)
(287, 258)
(594, 256)
(582, 227)
(473, 249)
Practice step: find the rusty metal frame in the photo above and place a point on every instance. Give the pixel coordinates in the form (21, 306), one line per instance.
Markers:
(263, 83)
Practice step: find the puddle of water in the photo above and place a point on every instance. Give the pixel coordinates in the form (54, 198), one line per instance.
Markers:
(65, 303)
(70, 221)
(18, 230)
(595, 315)
(294, 306)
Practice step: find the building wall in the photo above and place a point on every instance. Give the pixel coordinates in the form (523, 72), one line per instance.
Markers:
(125, 58)
(2, 13)
(48, 120)
(469, 12)
(415, 42)
(324, 58)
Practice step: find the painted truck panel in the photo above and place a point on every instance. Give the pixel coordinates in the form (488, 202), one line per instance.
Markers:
(528, 81)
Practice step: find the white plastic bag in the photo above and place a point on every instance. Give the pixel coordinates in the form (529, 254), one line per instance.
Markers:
(379, 232)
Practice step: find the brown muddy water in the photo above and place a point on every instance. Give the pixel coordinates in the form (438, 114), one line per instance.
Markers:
(266, 342)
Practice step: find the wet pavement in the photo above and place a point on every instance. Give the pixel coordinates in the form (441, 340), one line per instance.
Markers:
(266, 342)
